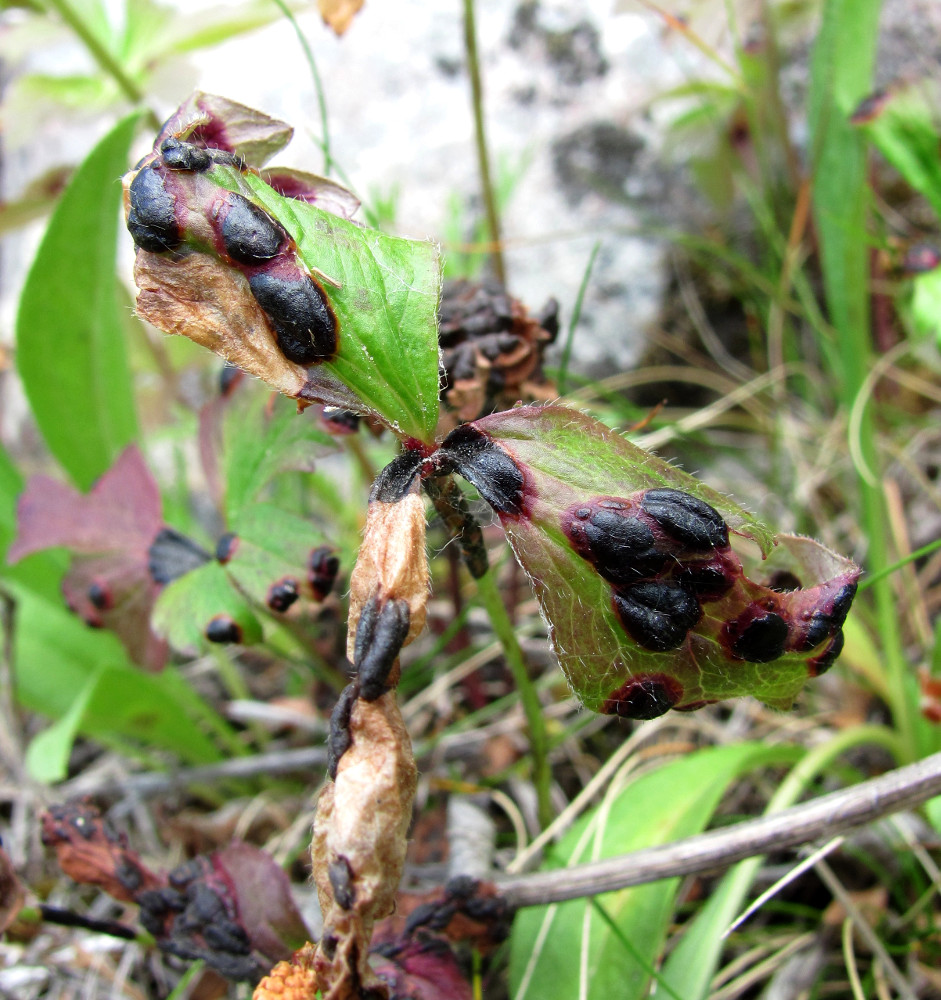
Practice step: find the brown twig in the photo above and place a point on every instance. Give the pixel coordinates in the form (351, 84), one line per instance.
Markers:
(826, 816)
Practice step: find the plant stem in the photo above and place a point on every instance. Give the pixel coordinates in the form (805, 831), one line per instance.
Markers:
(42, 913)
(562, 377)
(102, 56)
(828, 815)
(483, 159)
(318, 86)
(492, 601)
(237, 689)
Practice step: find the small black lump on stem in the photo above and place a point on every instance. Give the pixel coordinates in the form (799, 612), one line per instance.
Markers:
(379, 637)
(484, 464)
(339, 739)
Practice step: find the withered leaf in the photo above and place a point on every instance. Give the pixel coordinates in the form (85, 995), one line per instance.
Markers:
(90, 851)
(199, 297)
(339, 14)
(359, 842)
(217, 122)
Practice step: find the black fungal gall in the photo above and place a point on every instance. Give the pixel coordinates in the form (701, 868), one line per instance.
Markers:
(224, 630)
(249, 235)
(687, 519)
(100, 596)
(656, 615)
(151, 220)
(303, 323)
(758, 636)
(822, 663)
(180, 155)
(646, 696)
(227, 546)
(621, 547)
(820, 627)
(827, 620)
(842, 602)
(341, 881)
(395, 480)
(486, 466)
(709, 581)
(282, 595)
(322, 568)
(339, 739)
(380, 633)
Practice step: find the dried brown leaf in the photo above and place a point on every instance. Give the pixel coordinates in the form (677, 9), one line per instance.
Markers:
(90, 851)
(199, 297)
(392, 563)
(339, 14)
(359, 842)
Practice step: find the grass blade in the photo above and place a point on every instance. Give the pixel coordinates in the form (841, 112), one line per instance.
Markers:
(70, 347)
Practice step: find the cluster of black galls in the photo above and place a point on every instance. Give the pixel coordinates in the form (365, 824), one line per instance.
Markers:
(247, 237)
(192, 920)
(658, 583)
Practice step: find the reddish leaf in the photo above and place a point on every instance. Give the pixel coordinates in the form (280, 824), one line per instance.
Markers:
(315, 190)
(422, 969)
(638, 568)
(120, 514)
(89, 850)
(110, 530)
(217, 122)
(263, 899)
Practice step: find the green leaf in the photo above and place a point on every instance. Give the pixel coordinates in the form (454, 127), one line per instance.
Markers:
(144, 709)
(694, 602)
(386, 305)
(47, 756)
(332, 312)
(82, 679)
(264, 437)
(691, 965)
(186, 607)
(925, 305)
(567, 949)
(904, 130)
(56, 653)
(273, 545)
(844, 54)
(70, 331)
